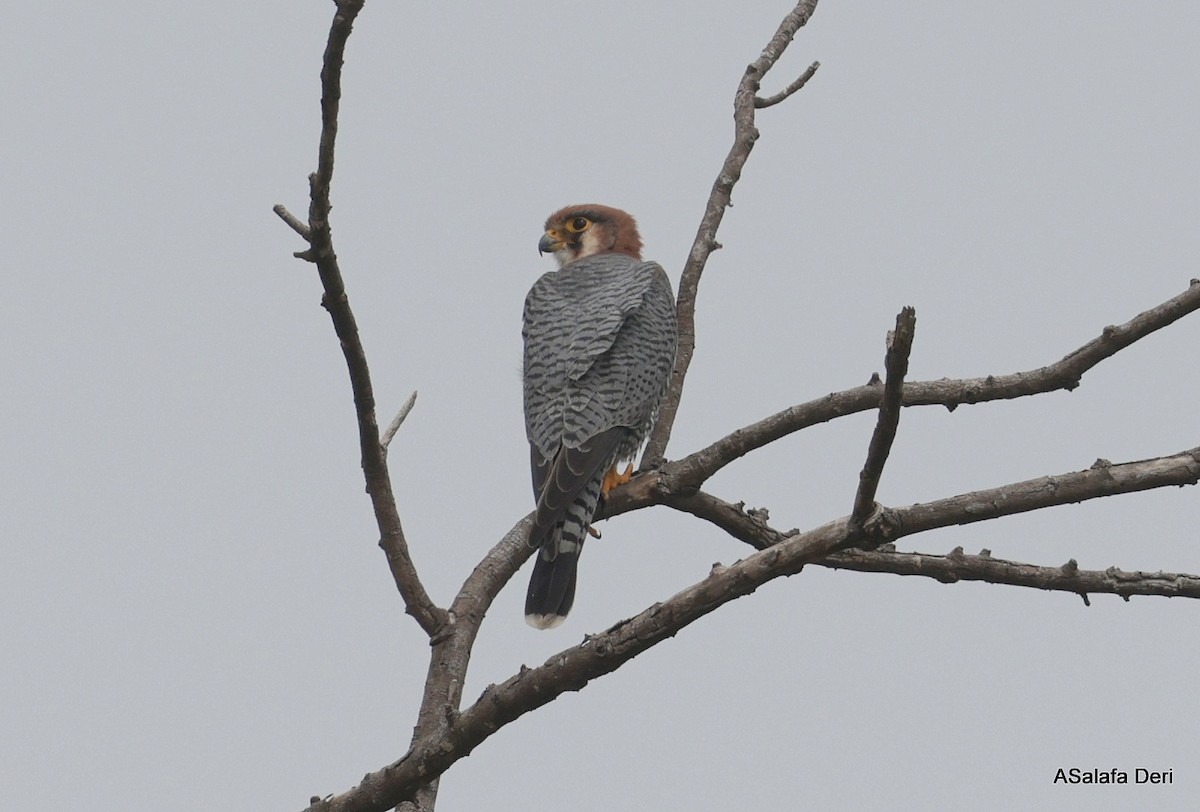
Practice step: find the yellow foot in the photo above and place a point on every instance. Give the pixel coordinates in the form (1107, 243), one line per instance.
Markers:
(612, 479)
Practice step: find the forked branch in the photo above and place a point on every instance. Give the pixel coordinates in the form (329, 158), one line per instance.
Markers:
(745, 100)
(320, 252)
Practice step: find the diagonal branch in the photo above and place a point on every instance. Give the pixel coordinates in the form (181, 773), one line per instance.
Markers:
(379, 485)
(697, 468)
(745, 134)
(899, 347)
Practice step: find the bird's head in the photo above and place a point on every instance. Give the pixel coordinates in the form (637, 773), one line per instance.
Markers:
(581, 231)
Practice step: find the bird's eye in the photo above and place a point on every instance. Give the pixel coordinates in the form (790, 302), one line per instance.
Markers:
(578, 224)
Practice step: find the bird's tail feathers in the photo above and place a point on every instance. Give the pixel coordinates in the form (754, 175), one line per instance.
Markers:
(566, 505)
(563, 484)
(551, 587)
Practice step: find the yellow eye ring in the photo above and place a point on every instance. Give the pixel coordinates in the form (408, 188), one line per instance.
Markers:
(577, 224)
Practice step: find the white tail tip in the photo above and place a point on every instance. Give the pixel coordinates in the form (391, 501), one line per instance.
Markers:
(545, 621)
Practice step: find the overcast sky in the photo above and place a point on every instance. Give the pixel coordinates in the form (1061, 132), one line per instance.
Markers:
(194, 612)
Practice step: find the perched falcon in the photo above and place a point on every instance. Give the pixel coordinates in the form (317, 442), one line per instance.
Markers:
(599, 348)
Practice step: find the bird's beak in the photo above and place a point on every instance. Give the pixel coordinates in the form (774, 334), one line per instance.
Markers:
(549, 243)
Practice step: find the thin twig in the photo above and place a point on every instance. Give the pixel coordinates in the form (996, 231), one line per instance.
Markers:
(745, 134)
(398, 420)
(899, 347)
(293, 221)
(800, 82)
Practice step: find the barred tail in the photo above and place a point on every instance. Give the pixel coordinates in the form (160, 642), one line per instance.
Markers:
(552, 585)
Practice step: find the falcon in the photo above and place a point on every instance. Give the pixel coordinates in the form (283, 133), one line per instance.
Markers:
(600, 343)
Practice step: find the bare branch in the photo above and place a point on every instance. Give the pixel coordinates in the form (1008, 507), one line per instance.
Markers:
(379, 485)
(448, 663)
(452, 649)
(292, 220)
(750, 527)
(956, 567)
(444, 735)
(799, 83)
(1033, 494)
(1101, 479)
(331, 97)
(899, 347)
(398, 420)
(570, 670)
(747, 525)
(696, 468)
(745, 134)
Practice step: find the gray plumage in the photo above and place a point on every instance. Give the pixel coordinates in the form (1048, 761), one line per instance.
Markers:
(600, 340)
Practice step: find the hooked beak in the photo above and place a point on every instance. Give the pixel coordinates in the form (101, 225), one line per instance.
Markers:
(549, 243)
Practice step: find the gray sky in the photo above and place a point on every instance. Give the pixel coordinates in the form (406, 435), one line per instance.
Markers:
(194, 612)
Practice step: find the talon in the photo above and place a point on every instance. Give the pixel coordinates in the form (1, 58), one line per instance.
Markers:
(593, 532)
(613, 479)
